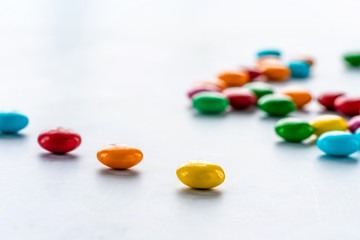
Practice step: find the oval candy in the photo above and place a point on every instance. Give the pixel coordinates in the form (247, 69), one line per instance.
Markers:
(275, 72)
(215, 83)
(352, 59)
(12, 122)
(234, 78)
(200, 174)
(299, 96)
(59, 140)
(293, 129)
(252, 72)
(327, 99)
(269, 52)
(276, 105)
(210, 102)
(354, 124)
(349, 106)
(326, 123)
(119, 156)
(260, 89)
(303, 58)
(205, 88)
(338, 143)
(299, 69)
(240, 98)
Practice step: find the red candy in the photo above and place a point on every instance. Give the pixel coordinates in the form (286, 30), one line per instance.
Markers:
(253, 73)
(240, 98)
(198, 89)
(59, 140)
(328, 99)
(347, 105)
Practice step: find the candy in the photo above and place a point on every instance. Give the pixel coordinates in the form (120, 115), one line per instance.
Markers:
(299, 96)
(259, 88)
(119, 156)
(303, 58)
(210, 102)
(269, 52)
(357, 135)
(275, 72)
(234, 78)
(276, 105)
(299, 69)
(253, 73)
(354, 124)
(293, 129)
(216, 83)
(352, 59)
(205, 88)
(326, 123)
(347, 105)
(12, 122)
(240, 98)
(338, 143)
(200, 174)
(59, 140)
(328, 99)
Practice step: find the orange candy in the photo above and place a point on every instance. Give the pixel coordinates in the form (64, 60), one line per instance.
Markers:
(275, 72)
(234, 78)
(217, 83)
(298, 95)
(119, 156)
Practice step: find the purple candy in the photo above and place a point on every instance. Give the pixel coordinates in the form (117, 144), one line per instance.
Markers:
(354, 123)
(198, 89)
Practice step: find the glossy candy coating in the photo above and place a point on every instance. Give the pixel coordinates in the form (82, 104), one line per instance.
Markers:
(269, 52)
(299, 96)
(276, 105)
(299, 69)
(240, 98)
(338, 143)
(260, 89)
(59, 140)
(12, 122)
(234, 78)
(349, 106)
(352, 59)
(326, 123)
(200, 174)
(275, 72)
(205, 88)
(354, 124)
(293, 129)
(119, 156)
(210, 102)
(303, 58)
(327, 99)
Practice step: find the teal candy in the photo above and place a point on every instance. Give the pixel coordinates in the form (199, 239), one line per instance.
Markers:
(338, 143)
(12, 122)
(357, 135)
(269, 52)
(299, 69)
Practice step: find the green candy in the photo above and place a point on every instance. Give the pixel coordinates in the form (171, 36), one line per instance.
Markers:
(259, 88)
(210, 102)
(276, 105)
(293, 129)
(353, 59)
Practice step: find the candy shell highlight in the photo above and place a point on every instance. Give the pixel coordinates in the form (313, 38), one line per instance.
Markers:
(338, 143)
(59, 140)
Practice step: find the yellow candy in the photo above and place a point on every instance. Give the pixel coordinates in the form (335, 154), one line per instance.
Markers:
(327, 123)
(200, 174)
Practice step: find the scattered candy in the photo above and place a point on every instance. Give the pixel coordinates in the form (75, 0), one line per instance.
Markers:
(269, 52)
(352, 59)
(259, 88)
(326, 123)
(293, 129)
(205, 88)
(252, 72)
(216, 83)
(119, 156)
(299, 69)
(338, 143)
(240, 98)
(354, 124)
(328, 99)
(303, 58)
(234, 78)
(59, 140)
(276, 105)
(275, 72)
(299, 96)
(210, 102)
(200, 174)
(12, 122)
(347, 105)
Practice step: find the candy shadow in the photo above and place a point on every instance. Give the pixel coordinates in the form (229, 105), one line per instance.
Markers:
(292, 145)
(207, 115)
(58, 157)
(118, 173)
(250, 110)
(199, 193)
(11, 136)
(340, 160)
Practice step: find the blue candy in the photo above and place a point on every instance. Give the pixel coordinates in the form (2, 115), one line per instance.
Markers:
(299, 69)
(357, 134)
(338, 143)
(269, 52)
(12, 122)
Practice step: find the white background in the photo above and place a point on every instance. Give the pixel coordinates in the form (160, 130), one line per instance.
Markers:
(117, 72)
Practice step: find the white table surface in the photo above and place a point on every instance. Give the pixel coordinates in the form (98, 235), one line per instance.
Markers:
(117, 72)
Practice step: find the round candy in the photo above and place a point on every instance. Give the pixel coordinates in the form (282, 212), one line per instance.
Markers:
(200, 174)
(240, 98)
(293, 129)
(275, 72)
(210, 102)
(303, 58)
(338, 143)
(347, 105)
(216, 83)
(119, 156)
(354, 124)
(352, 59)
(234, 78)
(327, 99)
(276, 105)
(12, 122)
(300, 96)
(299, 69)
(253, 73)
(326, 123)
(205, 88)
(269, 52)
(59, 140)
(259, 88)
